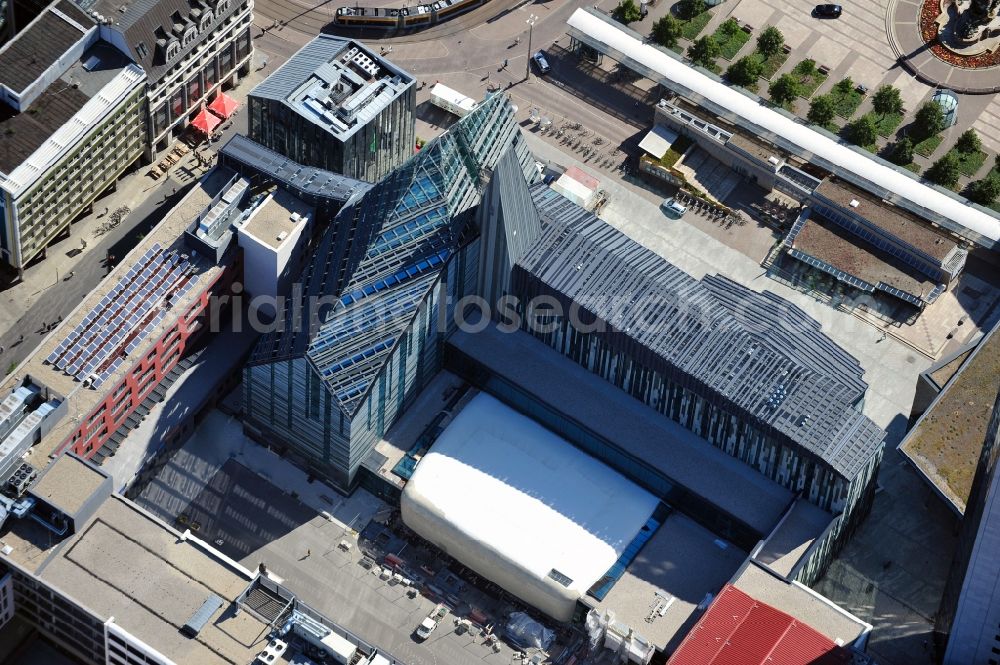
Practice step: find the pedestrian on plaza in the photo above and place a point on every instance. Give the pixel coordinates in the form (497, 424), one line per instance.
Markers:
(505, 63)
(20, 339)
(1, 349)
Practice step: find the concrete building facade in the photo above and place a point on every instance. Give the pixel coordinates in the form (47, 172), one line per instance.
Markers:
(71, 116)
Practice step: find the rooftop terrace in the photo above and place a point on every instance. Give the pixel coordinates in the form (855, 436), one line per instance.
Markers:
(946, 442)
(335, 83)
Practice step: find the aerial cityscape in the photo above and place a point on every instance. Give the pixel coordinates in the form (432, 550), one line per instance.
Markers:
(532, 332)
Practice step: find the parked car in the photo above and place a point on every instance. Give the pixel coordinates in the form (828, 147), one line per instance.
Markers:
(541, 62)
(673, 207)
(828, 11)
(425, 628)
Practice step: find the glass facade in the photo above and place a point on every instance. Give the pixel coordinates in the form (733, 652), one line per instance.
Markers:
(379, 342)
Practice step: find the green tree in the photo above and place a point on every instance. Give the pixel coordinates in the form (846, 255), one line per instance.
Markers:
(985, 191)
(944, 171)
(806, 68)
(770, 41)
(821, 110)
(969, 142)
(784, 90)
(887, 100)
(666, 31)
(929, 120)
(745, 71)
(844, 86)
(704, 51)
(729, 28)
(688, 9)
(626, 12)
(863, 131)
(902, 151)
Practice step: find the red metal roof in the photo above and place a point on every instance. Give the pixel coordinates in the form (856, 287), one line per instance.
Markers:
(739, 630)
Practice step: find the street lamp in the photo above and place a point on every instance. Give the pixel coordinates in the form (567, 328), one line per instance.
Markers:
(527, 65)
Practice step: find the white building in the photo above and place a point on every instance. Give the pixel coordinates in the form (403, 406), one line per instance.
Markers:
(272, 237)
(523, 507)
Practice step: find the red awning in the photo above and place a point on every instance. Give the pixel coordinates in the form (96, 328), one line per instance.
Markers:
(205, 122)
(223, 105)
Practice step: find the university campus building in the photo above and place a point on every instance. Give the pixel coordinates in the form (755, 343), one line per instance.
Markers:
(336, 105)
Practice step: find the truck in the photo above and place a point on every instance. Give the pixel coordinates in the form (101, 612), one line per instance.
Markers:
(430, 622)
(452, 101)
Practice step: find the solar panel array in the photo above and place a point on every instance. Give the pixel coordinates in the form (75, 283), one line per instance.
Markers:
(99, 345)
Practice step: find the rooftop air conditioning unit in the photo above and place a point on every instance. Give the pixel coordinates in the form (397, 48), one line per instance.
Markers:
(282, 235)
(855, 203)
(773, 160)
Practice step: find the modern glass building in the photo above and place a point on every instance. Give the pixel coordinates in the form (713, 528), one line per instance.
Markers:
(364, 332)
(338, 106)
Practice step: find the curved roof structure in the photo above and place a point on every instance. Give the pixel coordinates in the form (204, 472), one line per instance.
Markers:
(748, 111)
(522, 507)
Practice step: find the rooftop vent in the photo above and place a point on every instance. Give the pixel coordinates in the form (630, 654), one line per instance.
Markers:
(855, 203)
(773, 160)
(201, 617)
(282, 235)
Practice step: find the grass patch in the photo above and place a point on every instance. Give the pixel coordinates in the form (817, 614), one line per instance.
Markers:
(773, 64)
(887, 123)
(674, 152)
(928, 145)
(913, 166)
(730, 45)
(969, 162)
(809, 84)
(691, 29)
(845, 104)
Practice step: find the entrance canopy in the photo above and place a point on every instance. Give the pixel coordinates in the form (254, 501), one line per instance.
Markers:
(658, 140)
(205, 122)
(223, 105)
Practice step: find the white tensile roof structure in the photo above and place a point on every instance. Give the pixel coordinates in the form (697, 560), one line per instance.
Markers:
(522, 507)
(750, 113)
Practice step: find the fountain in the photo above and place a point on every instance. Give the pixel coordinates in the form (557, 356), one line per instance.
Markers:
(964, 33)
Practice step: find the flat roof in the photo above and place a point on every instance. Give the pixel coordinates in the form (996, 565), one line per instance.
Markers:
(335, 83)
(40, 45)
(758, 149)
(788, 543)
(626, 422)
(34, 138)
(891, 219)
(684, 562)
(800, 602)
(67, 483)
(128, 565)
(82, 400)
(837, 247)
(273, 217)
(754, 115)
(946, 442)
(496, 480)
